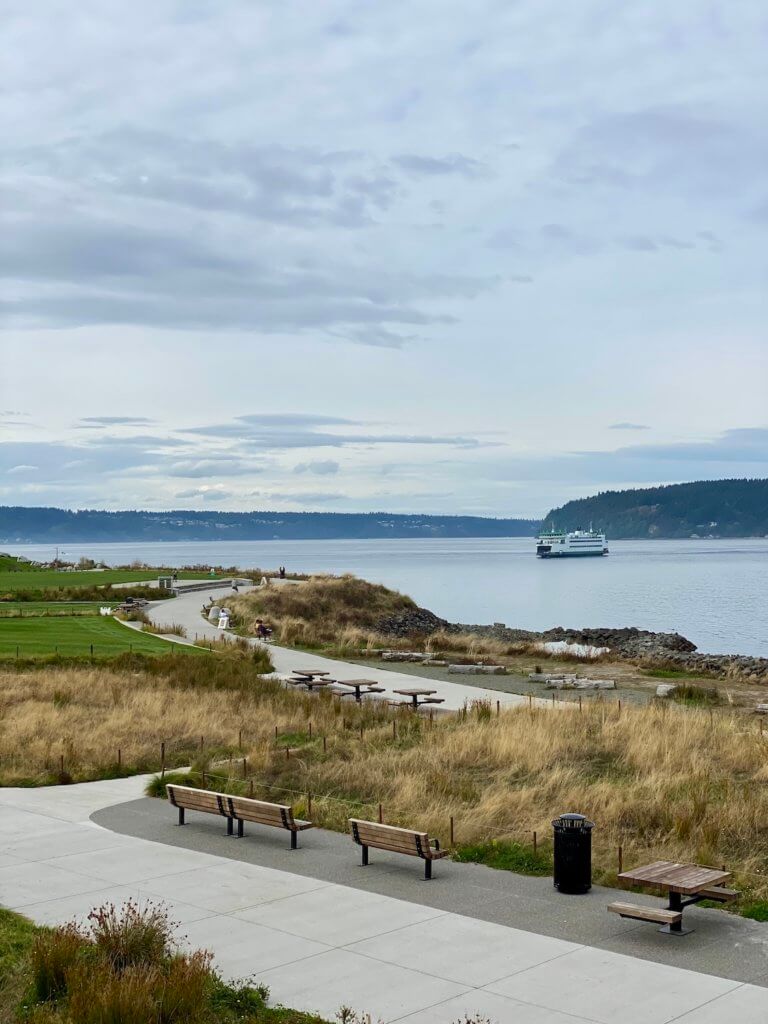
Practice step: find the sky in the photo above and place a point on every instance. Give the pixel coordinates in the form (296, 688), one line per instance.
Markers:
(422, 256)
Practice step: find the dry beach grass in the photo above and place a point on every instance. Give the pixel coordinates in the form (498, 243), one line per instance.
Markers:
(672, 782)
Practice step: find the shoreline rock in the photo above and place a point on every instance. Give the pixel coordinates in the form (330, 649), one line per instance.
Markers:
(638, 646)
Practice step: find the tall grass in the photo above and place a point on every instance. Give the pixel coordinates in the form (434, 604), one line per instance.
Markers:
(318, 609)
(124, 968)
(663, 783)
(342, 614)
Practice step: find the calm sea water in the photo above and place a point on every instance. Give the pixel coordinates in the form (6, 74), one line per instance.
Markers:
(715, 592)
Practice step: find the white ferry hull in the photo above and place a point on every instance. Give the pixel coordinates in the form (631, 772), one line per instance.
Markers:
(572, 554)
(576, 544)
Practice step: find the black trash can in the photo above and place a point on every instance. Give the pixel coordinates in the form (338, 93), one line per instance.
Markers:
(573, 853)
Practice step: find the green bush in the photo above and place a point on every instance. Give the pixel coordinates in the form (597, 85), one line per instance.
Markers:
(506, 856)
(54, 954)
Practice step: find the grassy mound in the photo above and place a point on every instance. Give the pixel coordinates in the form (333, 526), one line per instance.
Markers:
(320, 610)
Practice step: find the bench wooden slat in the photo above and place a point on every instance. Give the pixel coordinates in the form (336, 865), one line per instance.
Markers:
(392, 830)
(717, 892)
(397, 845)
(658, 915)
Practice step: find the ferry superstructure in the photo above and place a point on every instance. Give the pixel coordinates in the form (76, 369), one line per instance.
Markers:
(573, 544)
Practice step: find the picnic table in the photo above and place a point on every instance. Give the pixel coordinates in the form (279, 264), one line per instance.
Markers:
(358, 686)
(310, 683)
(310, 673)
(414, 695)
(692, 880)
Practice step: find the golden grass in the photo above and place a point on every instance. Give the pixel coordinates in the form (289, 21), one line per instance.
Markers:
(660, 781)
(86, 714)
(340, 614)
(315, 612)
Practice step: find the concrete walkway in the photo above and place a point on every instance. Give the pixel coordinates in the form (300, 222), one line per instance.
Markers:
(185, 611)
(318, 944)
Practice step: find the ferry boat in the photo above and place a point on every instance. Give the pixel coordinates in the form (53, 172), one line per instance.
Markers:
(575, 544)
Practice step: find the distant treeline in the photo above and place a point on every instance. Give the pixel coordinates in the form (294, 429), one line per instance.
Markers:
(56, 525)
(709, 508)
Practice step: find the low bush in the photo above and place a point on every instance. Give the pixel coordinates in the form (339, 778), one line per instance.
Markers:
(170, 629)
(696, 696)
(506, 856)
(123, 968)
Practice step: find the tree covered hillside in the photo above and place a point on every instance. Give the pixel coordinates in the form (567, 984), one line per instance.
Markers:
(719, 508)
(58, 525)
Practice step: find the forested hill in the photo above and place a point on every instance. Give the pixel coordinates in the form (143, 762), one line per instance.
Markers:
(709, 508)
(55, 525)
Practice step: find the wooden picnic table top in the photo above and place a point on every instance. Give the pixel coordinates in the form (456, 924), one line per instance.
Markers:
(415, 692)
(310, 672)
(687, 879)
(357, 682)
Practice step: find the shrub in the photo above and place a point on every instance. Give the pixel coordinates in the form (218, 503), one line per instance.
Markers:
(169, 629)
(54, 954)
(697, 696)
(506, 856)
(132, 936)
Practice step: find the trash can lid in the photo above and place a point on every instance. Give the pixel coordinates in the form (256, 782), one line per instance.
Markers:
(572, 820)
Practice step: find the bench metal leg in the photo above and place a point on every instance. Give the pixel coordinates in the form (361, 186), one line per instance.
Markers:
(181, 815)
(230, 824)
(365, 856)
(294, 839)
(427, 869)
(240, 828)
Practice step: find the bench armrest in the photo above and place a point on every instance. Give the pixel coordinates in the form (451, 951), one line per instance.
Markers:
(435, 843)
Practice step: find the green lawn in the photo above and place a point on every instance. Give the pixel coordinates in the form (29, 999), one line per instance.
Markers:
(43, 579)
(72, 637)
(36, 608)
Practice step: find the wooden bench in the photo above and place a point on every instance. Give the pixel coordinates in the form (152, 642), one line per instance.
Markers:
(658, 915)
(186, 798)
(396, 840)
(719, 894)
(243, 808)
(236, 808)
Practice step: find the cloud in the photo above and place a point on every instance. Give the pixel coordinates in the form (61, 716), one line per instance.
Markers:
(214, 492)
(114, 421)
(21, 469)
(667, 147)
(301, 430)
(628, 426)
(326, 467)
(455, 163)
(212, 466)
(734, 453)
(299, 497)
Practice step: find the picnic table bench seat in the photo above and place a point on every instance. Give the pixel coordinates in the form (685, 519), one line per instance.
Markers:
(236, 809)
(658, 915)
(720, 894)
(397, 840)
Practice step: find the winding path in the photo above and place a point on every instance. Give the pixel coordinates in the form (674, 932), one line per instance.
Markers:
(185, 611)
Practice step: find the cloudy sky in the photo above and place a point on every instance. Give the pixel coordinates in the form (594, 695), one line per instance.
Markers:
(411, 256)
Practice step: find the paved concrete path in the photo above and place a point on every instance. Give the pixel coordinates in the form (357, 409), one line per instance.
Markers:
(720, 943)
(185, 611)
(319, 944)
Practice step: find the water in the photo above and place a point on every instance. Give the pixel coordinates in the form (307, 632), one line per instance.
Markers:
(715, 592)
